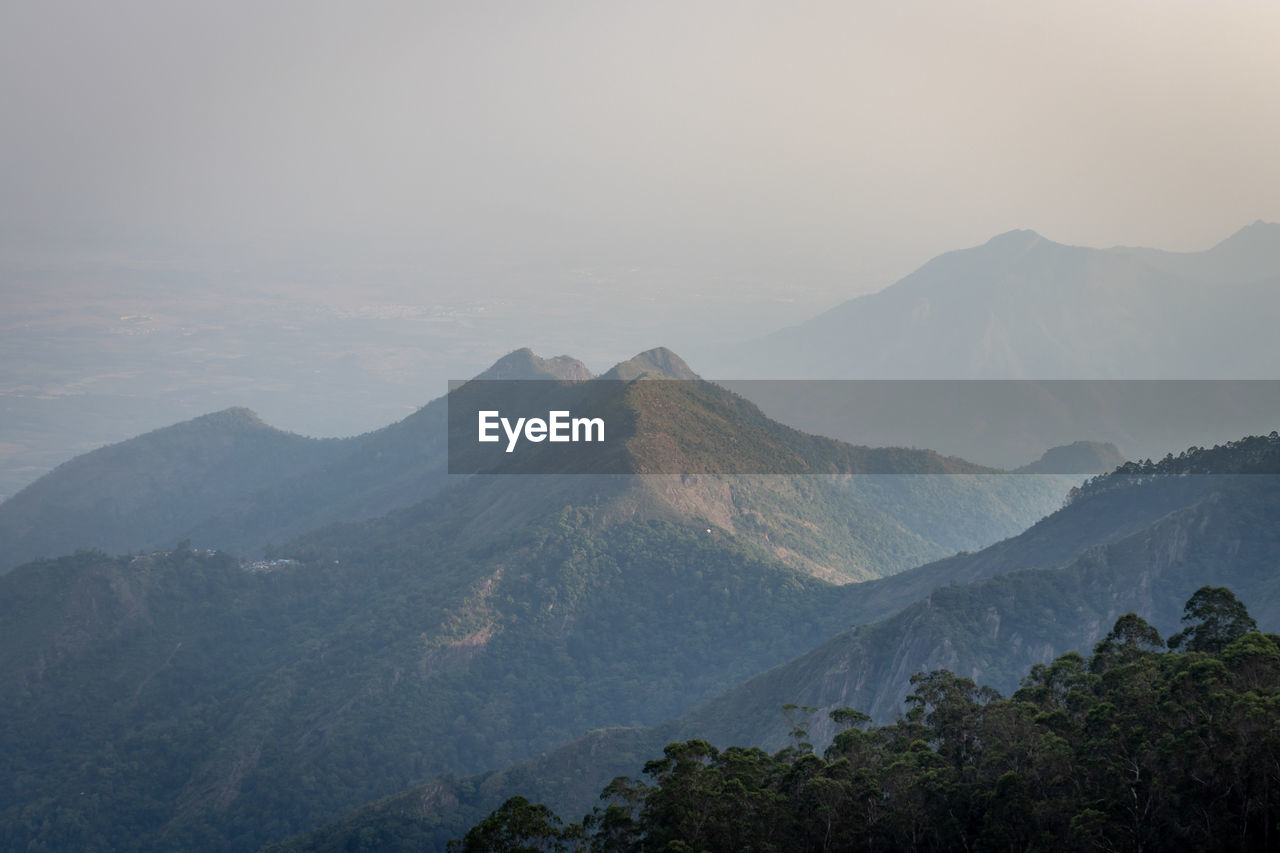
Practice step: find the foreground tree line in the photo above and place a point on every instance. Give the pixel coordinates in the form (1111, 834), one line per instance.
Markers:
(1137, 748)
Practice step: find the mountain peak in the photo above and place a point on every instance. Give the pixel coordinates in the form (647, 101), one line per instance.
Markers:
(236, 416)
(1081, 457)
(1019, 238)
(1250, 254)
(1258, 235)
(525, 364)
(657, 363)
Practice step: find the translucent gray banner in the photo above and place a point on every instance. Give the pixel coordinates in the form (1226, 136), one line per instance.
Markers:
(659, 426)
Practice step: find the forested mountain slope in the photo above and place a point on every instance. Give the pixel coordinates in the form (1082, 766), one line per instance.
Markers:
(204, 704)
(1131, 748)
(1141, 539)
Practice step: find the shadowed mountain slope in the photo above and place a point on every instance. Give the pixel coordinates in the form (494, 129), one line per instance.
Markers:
(152, 489)
(229, 481)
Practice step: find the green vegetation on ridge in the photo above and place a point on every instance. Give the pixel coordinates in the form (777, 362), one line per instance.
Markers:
(201, 706)
(1134, 749)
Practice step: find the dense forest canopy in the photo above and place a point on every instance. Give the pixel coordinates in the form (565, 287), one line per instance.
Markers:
(1135, 748)
(1255, 454)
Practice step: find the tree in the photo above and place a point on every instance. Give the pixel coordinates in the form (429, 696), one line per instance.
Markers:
(949, 706)
(1131, 639)
(517, 825)
(1135, 749)
(1214, 618)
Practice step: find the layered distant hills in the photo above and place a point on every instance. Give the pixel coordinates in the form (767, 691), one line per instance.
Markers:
(1141, 348)
(228, 481)
(443, 641)
(202, 703)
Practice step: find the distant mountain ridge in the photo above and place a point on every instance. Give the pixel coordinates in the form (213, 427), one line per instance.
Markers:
(228, 480)
(253, 485)
(705, 453)
(659, 363)
(525, 364)
(154, 488)
(1023, 306)
(1080, 457)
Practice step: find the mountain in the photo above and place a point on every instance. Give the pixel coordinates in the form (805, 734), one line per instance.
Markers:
(998, 352)
(393, 467)
(1079, 457)
(658, 363)
(201, 703)
(1142, 538)
(706, 453)
(1022, 306)
(523, 364)
(1004, 423)
(1249, 255)
(1062, 762)
(1202, 518)
(229, 481)
(995, 629)
(154, 488)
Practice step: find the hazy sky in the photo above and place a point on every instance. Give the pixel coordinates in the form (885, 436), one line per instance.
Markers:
(324, 210)
(848, 136)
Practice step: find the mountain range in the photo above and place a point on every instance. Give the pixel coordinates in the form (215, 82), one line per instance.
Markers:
(1128, 542)
(994, 353)
(251, 634)
(1019, 307)
(228, 481)
(201, 702)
